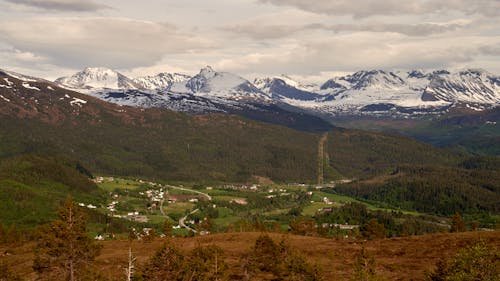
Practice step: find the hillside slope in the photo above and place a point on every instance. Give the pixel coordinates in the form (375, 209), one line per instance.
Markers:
(356, 153)
(395, 259)
(151, 143)
(32, 188)
(39, 117)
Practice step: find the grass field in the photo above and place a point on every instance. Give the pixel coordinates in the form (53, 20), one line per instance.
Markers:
(130, 199)
(118, 183)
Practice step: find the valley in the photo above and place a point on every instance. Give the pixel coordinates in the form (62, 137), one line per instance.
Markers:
(258, 140)
(146, 174)
(227, 206)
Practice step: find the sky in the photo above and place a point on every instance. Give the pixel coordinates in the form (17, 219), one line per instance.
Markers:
(308, 40)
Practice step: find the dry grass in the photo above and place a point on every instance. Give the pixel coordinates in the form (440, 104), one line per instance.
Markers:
(396, 259)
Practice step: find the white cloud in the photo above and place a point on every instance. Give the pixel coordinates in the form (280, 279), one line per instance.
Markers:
(113, 42)
(366, 8)
(306, 38)
(363, 51)
(264, 31)
(62, 5)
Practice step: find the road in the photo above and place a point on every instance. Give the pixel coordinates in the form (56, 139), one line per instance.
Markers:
(163, 211)
(190, 190)
(183, 219)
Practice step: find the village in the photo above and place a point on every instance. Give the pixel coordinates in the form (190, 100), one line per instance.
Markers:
(148, 205)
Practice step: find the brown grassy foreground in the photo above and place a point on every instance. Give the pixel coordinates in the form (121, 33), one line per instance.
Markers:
(396, 259)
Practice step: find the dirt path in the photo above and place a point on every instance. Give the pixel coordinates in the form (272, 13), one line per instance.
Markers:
(321, 158)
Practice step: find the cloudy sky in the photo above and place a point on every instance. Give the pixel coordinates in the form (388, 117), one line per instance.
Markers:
(308, 39)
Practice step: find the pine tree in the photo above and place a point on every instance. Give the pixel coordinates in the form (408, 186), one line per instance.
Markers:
(64, 250)
(206, 264)
(3, 234)
(280, 261)
(168, 263)
(457, 223)
(13, 235)
(167, 228)
(364, 269)
(479, 261)
(373, 229)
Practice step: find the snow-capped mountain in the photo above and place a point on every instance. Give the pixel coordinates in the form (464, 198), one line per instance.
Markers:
(379, 92)
(283, 87)
(97, 78)
(210, 83)
(365, 80)
(208, 91)
(469, 86)
(162, 81)
(181, 102)
(374, 92)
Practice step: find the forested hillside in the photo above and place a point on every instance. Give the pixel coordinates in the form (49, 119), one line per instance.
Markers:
(33, 187)
(437, 190)
(361, 154)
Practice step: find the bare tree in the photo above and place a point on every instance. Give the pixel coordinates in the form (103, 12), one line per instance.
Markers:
(130, 269)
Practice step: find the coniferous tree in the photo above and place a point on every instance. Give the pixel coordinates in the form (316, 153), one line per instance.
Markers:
(457, 223)
(268, 260)
(364, 269)
(168, 263)
(479, 261)
(167, 228)
(13, 235)
(206, 264)
(3, 233)
(373, 229)
(64, 250)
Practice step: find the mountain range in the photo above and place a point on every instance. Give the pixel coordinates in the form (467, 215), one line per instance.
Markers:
(458, 110)
(364, 93)
(42, 118)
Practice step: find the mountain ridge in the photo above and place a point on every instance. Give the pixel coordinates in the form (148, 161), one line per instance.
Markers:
(414, 93)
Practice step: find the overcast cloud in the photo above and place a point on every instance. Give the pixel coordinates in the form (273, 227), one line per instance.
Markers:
(258, 31)
(113, 42)
(50, 38)
(62, 5)
(367, 8)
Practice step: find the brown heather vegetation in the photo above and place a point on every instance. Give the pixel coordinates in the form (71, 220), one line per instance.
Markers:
(408, 258)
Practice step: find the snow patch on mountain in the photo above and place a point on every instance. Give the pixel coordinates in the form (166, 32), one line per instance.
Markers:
(78, 102)
(22, 77)
(4, 98)
(209, 83)
(162, 81)
(28, 86)
(97, 78)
